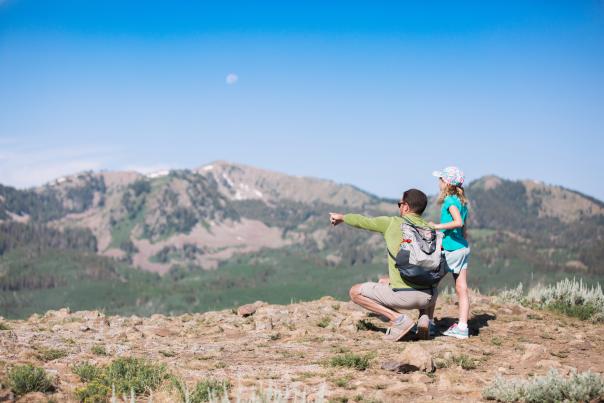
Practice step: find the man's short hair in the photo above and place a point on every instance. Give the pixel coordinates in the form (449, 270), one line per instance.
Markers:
(416, 200)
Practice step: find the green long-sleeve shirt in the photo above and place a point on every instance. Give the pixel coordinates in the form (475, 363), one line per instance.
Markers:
(390, 228)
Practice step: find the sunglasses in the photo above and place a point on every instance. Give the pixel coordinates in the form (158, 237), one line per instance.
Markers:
(400, 204)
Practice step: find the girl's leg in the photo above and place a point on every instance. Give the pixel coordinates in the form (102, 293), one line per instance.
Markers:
(461, 288)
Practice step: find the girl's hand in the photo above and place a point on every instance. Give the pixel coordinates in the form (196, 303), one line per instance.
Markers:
(336, 218)
(433, 225)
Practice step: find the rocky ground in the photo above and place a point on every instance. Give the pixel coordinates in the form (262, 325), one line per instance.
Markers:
(291, 347)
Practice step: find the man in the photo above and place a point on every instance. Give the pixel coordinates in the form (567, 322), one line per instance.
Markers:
(388, 299)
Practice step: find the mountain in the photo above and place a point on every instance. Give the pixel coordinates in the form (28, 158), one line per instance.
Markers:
(200, 217)
(264, 231)
(547, 227)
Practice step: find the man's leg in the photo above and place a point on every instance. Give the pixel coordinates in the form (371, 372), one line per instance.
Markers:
(429, 310)
(371, 305)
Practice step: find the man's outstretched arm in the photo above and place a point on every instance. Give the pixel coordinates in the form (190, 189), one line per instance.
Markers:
(377, 224)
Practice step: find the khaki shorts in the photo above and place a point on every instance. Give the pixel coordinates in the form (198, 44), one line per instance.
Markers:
(398, 300)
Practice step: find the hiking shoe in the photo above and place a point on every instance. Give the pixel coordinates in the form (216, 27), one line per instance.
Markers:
(455, 331)
(423, 327)
(433, 329)
(399, 328)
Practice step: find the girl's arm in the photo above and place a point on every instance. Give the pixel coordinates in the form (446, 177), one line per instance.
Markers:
(456, 223)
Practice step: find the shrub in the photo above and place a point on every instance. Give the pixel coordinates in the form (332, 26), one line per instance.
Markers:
(585, 386)
(351, 360)
(324, 322)
(50, 354)
(365, 324)
(204, 391)
(87, 372)
(512, 296)
(342, 382)
(23, 379)
(569, 297)
(464, 361)
(496, 341)
(134, 374)
(98, 350)
(208, 388)
(94, 392)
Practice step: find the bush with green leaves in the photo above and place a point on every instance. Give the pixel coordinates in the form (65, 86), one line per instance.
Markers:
(50, 354)
(205, 390)
(87, 371)
(137, 374)
(209, 388)
(94, 392)
(351, 360)
(125, 375)
(98, 349)
(26, 378)
(578, 387)
(511, 296)
(570, 297)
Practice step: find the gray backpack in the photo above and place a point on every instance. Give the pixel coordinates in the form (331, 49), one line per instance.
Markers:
(420, 260)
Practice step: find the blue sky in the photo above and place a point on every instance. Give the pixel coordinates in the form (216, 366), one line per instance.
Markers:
(377, 94)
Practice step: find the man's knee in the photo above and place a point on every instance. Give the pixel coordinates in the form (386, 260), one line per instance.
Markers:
(355, 291)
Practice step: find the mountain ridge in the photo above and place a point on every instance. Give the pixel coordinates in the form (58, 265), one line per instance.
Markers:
(218, 207)
(245, 231)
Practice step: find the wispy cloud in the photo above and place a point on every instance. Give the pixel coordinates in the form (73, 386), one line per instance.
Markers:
(27, 167)
(232, 79)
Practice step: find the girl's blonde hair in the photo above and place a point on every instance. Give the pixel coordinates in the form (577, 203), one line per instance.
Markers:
(452, 190)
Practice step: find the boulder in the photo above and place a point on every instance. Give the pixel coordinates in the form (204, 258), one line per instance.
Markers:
(248, 309)
(533, 351)
(414, 358)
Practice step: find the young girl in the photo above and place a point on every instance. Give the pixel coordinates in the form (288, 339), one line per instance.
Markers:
(457, 251)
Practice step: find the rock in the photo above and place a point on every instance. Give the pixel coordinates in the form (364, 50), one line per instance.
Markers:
(33, 397)
(419, 377)
(7, 337)
(264, 323)
(444, 383)
(247, 310)
(418, 389)
(414, 358)
(61, 313)
(134, 335)
(164, 332)
(84, 328)
(34, 317)
(548, 364)
(580, 344)
(533, 351)
(90, 315)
